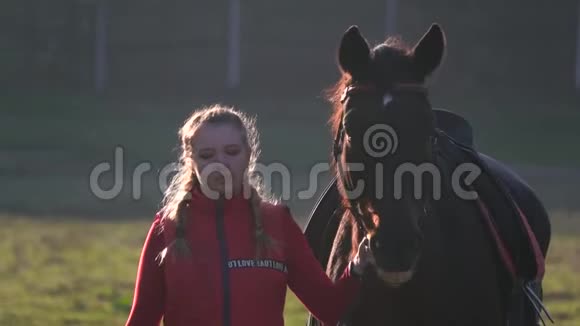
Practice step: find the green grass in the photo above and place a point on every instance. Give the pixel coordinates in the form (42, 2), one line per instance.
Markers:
(77, 272)
(563, 281)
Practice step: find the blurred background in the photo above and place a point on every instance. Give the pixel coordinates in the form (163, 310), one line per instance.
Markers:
(86, 83)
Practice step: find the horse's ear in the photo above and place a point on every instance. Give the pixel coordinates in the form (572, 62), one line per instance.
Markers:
(428, 52)
(354, 54)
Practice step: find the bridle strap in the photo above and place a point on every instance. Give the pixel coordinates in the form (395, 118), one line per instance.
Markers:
(369, 88)
(356, 88)
(346, 182)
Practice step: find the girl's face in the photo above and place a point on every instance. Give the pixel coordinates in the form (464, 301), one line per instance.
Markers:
(220, 157)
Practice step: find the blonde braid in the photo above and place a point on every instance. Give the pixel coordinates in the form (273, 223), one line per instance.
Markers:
(181, 247)
(263, 241)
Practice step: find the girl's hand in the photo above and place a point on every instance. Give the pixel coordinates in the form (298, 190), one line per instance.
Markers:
(363, 258)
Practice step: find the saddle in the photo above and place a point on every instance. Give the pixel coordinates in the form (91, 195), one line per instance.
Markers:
(508, 226)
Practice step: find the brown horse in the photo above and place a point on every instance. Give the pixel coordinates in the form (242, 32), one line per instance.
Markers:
(437, 263)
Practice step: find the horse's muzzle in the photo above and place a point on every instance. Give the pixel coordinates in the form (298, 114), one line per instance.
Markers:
(395, 279)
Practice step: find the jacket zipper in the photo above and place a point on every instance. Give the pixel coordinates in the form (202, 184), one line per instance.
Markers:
(226, 312)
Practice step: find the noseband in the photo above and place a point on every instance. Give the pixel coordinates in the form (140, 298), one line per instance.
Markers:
(354, 206)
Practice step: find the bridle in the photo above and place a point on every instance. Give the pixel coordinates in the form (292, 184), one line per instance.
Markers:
(354, 205)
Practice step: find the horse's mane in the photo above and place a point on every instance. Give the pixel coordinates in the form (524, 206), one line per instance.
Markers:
(334, 93)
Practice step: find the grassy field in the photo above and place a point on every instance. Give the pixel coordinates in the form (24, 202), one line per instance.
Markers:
(76, 272)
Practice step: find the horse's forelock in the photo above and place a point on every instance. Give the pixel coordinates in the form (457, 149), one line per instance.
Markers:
(395, 43)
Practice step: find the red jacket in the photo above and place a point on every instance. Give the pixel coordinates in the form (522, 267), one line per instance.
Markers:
(221, 284)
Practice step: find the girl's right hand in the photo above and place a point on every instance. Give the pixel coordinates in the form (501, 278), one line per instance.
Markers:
(363, 258)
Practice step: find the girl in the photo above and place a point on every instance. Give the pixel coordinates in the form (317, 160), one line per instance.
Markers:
(221, 253)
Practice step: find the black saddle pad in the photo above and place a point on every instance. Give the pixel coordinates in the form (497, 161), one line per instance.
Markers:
(509, 227)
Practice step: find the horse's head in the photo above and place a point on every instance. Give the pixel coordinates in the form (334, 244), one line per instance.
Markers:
(384, 129)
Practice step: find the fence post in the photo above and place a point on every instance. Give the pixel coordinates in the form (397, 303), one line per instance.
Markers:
(101, 46)
(578, 50)
(391, 17)
(233, 64)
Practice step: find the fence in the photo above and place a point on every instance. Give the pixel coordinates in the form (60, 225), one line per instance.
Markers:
(154, 46)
